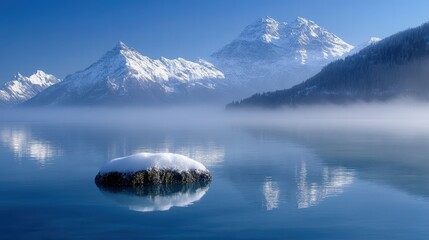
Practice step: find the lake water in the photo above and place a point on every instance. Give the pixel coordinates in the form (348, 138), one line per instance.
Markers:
(268, 182)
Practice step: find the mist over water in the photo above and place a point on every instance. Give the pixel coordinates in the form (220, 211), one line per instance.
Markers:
(341, 171)
(400, 115)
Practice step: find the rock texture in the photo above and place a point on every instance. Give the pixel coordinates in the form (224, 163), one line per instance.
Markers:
(151, 168)
(150, 176)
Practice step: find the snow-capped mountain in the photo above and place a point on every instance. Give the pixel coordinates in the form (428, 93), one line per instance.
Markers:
(371, 41)
(22, 88)
(270, 55)
(124, 76)
(393, 68)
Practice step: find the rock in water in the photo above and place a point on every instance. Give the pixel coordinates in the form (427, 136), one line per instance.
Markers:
(151, 168)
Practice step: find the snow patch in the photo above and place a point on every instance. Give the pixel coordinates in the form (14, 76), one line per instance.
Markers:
(159, 161)
(358, 48)
(265, 29)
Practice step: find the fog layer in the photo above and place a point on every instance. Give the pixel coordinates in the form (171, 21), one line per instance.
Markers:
(404, 115)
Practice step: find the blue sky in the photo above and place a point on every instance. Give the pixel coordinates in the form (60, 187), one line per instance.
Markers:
(63, 36)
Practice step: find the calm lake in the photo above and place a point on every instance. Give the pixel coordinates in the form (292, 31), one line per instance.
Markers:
(268, 182)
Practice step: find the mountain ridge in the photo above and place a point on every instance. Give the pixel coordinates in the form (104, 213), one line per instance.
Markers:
(395, 67)
(22, 88)
(124, 75)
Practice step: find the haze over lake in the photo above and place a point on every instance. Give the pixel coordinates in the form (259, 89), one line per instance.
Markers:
(331, 180)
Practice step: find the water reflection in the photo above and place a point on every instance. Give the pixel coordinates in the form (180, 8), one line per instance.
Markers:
(305, 184)
(23, 144)
(394, 158)
(296, 167)
(271, 193)
(157, 197)
(43, 143)
(333, 181)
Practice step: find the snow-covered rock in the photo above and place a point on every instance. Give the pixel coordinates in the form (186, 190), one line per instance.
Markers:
(158, 197)
(152, 168)
(272, 55)
(160, 161)
(22, 88)
(124, 76)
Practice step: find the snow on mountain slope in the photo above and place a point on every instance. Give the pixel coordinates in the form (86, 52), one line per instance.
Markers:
(311, 43)
(371, 41)
(391, 69)
(270, 55)
(22, 88)
(123, 76)
(264, 29)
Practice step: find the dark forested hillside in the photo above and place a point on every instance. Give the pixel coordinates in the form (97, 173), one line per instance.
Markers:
(397, 66)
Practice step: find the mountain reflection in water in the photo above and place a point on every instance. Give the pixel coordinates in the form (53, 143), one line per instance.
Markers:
(24, 144)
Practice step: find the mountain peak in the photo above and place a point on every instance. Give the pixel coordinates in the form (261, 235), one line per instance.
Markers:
(264, 29)
(118, 55)
(313, 41)
(22, 88)
(40, 73)
(17, 76)
(121, 45)
(374, 40)
(302, 20)
(305, 25)
(277, 48)
(358, 48)
(267, 19)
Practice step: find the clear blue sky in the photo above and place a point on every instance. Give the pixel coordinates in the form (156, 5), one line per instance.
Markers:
(63, 36)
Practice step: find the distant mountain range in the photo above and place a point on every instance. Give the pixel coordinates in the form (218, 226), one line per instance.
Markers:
(267, 55)
(396, 67)
(124, 76)
(21, 88)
